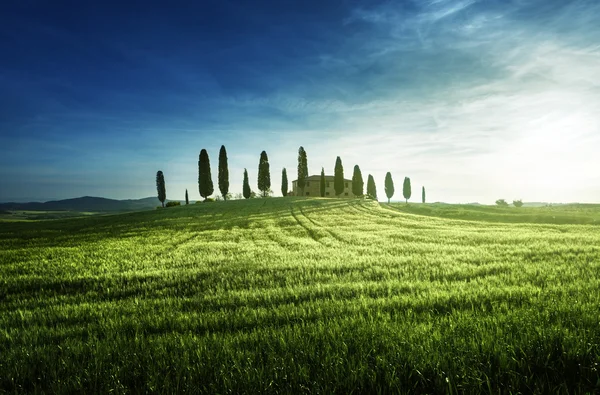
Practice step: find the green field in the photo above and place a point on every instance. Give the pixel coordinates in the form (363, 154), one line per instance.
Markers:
(24, 215)
(568, 214)
(292, 295)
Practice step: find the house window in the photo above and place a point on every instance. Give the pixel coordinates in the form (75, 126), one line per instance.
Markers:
(346, 185)
(346, 194)
(307, 193)
(326, 193)
(307, 183)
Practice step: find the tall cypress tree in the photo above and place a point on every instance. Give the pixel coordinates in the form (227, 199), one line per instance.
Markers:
(187, 199)
(406, 191)
(246, 188)
(264, 174)
(205, 184)
(371, 188)
(223, 173)
(322, 183)
(284, 182)
(160, 187)
(338, 177)
(389, 186)
(423, 195)
(302, 169)
(358, 184)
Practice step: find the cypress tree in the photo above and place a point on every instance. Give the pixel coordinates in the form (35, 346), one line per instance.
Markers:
(223, 173)
(187, 200)
(302, 169)
(264, 175)
(357, 182)
(406, 191)
(322, 184)
(423, 195)
(338, 177)
(389, 186)
(371, 188)
(284, 182)
(246, 188)
(205, 184)
(160, 187)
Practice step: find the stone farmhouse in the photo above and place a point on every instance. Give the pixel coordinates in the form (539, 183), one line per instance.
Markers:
(313, 187)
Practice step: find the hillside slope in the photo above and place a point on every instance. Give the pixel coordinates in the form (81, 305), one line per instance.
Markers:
(297, 295)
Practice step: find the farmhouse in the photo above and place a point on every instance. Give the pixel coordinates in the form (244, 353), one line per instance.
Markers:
(313, 187)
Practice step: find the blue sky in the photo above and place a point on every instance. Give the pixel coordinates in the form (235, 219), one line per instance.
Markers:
(475, 99)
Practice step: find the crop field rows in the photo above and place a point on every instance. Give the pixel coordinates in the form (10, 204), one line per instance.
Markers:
(301, 296)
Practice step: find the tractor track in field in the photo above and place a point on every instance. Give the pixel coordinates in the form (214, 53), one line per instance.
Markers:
(316, 231)
(275, 236)
(308, 230)
(352, 210)
(174, 245)
(323, 228)
(366, 211)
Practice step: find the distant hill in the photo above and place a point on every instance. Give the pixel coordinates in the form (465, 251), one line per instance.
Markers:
(85, 204)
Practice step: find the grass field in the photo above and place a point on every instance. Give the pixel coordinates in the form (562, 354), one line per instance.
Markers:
(24, 215)
(562, 214)
(303, 296)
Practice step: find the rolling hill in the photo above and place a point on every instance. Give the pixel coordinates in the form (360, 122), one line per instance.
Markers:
(295, 295)
(85, 204)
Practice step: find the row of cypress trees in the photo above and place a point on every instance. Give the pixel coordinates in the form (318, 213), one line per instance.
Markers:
(206, 188)
(357, 181)
(205, 184)
(406, 188)
(338, 178)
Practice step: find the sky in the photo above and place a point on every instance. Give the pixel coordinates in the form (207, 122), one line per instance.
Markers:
(474, 99)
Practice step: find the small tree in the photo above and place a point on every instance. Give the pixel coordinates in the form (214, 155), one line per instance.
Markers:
(423, 194)
(187, 199)
(406, 190)
(501, 202)
(322, 183)
(284, 182)
(302, 169)
(371, 188)
(267, 194)
(205, 184)
(246, 188)
(160, 187)
(223, 173)
(357, 182)
(264, 174)
(389, 186)
(338, 177)
(518, 203)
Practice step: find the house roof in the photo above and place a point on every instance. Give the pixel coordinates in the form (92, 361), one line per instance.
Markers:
(318, 178)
